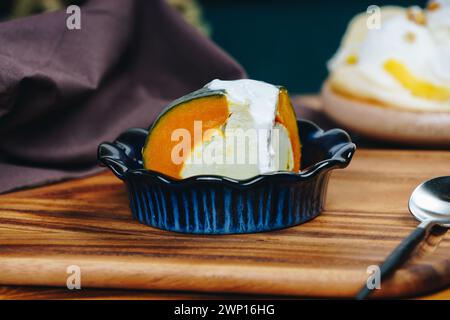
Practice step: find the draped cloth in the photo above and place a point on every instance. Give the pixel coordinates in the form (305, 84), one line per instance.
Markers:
(62, 92)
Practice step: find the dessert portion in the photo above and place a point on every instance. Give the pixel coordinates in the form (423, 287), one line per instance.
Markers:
(403, 64)
(237, 129)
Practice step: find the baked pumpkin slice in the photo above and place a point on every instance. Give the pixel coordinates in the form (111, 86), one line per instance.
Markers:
(237, 129)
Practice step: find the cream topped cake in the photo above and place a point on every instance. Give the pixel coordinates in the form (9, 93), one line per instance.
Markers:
(236, 129)
(404, 64)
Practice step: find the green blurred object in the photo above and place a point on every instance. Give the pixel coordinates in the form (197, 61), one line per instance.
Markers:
(189, 9)
(192, 12)
(22, 8)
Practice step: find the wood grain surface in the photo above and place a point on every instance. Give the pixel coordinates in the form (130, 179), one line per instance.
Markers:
(58, 293)
(87, 223)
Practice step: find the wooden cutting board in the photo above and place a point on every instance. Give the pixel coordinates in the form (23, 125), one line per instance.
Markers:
(87, 223)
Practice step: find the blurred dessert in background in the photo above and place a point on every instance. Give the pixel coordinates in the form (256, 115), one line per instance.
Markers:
(402, 69)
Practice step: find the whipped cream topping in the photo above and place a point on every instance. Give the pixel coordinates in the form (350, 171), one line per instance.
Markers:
(438, 21)
(260, 98)
(405, 63)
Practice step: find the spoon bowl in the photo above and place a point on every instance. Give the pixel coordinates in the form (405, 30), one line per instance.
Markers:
(430, 201)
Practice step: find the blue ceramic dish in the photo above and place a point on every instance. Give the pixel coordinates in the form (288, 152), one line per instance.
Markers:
(221, 205)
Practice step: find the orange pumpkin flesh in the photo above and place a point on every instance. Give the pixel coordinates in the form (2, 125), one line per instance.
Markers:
(157, 154)
(213, 112)
(286, 116)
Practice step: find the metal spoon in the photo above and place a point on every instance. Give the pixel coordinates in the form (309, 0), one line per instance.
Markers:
(430, 204)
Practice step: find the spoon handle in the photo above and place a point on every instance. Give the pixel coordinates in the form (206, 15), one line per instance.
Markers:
(398, 256)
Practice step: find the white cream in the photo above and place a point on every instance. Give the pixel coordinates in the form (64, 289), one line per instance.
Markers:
(261, 97)
(252, 108)
(261, 100)
(438, 22)
(416, 46)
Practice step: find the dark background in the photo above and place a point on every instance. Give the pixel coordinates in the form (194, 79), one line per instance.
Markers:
(285, 42)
